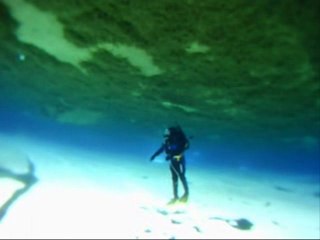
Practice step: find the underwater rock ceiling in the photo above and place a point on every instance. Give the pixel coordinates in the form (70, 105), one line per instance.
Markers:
(223, 69)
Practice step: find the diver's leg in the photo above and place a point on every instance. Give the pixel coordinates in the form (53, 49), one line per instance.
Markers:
(182, 175)
(174, 175)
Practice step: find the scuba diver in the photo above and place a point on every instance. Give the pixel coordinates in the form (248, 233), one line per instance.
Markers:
(174, 145)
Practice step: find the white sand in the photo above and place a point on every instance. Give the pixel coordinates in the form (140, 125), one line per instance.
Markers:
(83, 194)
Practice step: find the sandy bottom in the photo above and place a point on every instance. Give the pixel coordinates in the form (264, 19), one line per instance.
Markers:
(83, 194)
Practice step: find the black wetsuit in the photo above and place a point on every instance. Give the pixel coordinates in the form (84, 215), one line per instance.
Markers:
(174, 147)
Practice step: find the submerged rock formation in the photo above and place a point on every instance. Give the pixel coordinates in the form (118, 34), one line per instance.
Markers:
(227, 70)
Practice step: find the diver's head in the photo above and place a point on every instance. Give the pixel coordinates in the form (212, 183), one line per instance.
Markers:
(170, 131)
(166, 133)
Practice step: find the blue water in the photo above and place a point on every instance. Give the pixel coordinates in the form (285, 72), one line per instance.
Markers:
(15, 119)
(137, 145)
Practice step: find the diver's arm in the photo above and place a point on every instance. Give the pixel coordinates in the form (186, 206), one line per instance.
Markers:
(160, 150)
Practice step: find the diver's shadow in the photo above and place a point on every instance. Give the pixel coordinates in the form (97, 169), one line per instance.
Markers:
(28, 179)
